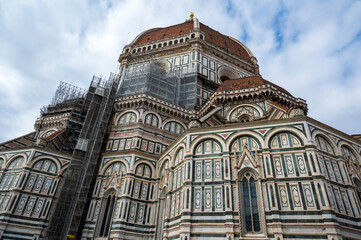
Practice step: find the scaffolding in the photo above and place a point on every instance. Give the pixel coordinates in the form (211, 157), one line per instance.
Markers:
(158, 80)
(66, 92)
(80, 175)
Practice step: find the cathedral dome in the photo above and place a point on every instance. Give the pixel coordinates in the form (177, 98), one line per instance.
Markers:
(194, 29)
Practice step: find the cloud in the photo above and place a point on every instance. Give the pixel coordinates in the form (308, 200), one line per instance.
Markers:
(311, 48)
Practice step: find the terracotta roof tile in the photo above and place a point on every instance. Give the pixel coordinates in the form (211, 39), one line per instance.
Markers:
(225, 42)
(158, 34)
(247, 82)
(212, 36)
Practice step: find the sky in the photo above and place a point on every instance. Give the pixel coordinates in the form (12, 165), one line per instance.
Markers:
(311, 48)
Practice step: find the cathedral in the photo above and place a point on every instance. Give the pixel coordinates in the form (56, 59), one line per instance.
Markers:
(186, 141)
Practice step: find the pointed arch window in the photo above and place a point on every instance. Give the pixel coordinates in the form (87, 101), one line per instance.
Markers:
(107, 216)
(249, 204)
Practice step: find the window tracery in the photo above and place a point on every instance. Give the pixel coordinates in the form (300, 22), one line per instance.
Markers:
(249, 204)
(106, 219)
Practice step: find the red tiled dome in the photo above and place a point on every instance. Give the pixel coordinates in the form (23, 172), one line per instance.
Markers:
(247, 82)
(211, 36)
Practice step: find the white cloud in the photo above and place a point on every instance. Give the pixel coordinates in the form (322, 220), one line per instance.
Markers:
(44, 42)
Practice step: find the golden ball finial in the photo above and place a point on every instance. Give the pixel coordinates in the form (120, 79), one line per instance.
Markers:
(191, 15)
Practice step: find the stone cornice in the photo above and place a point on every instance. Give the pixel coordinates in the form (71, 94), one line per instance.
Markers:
(263, 91)
(161, 106)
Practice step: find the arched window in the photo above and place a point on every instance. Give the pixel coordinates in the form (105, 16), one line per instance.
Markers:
(143, 170)
(11, 178)
(285, 140)
(151, 120)
(108, 205)
(127, 118)
(174, 127)
(245, 141)
(208, 147)
(348, 153)
(240, 143)
(179, 156)
(118, 168)
(249, 204)
(324, 145)
(17, 163)
(46, 165)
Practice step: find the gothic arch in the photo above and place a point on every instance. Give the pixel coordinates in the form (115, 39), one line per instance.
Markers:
(242, 171)
(273, 132)
(207, 137)
(248, 224)
(110, 191)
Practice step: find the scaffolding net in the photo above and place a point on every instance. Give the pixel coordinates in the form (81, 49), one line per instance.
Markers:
(155, 79)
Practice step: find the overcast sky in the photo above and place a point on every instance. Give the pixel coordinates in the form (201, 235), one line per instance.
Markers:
(311, 48)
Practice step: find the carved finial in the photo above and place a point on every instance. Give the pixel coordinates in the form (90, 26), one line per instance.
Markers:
(191, 15)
